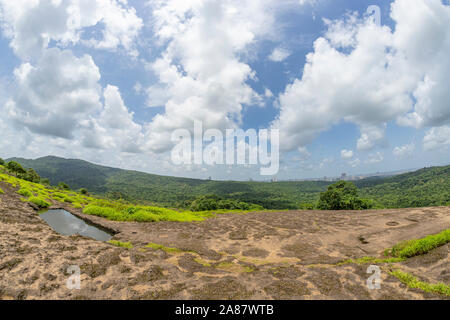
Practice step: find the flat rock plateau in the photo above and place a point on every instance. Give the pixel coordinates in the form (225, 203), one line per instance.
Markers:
(266, 255)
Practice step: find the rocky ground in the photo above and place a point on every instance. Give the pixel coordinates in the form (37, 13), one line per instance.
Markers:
(283, 255)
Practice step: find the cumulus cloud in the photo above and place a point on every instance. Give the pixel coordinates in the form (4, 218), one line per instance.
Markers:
(405, 151)
(114, 128)
(346, 154)
(202, 75)
(31, 25)
(370, 75)
(437, 138)
(56, 94)
(279, 55)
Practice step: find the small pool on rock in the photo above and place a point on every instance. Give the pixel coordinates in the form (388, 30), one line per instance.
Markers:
(67, 224)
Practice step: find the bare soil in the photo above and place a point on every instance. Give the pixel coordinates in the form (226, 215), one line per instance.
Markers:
(265, 255)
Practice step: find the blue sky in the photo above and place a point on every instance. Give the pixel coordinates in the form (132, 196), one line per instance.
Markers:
(126, 74)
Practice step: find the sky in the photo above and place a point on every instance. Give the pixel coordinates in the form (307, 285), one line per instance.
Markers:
(108, 81)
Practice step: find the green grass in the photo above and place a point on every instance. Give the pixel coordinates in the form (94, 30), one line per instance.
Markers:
(370, 260)
(40, 202)
(127, 245)
(414, 283)
(1, 191)
(140, 214)
(202, 262)
(25, 192)
(411, 248)
(166, 249)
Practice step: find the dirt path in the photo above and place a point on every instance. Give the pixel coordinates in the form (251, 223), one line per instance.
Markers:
(286, 255)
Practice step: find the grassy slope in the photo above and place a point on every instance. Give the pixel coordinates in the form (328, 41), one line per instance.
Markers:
(45, 196)
(426, 187)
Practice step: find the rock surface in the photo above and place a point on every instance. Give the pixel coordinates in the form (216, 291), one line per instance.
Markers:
(284, 255)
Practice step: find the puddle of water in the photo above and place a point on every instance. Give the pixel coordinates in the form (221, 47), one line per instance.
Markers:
(67, 224)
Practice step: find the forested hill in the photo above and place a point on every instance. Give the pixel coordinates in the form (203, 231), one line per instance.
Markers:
(422, 188)
(426, 187)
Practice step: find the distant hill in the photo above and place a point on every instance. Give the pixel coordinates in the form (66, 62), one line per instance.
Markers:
(426, 187)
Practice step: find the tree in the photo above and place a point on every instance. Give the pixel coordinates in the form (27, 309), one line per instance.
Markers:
(31, 176)
(342, 196)
(205, 203)
(63, 186)
(2, 162)
(15, 167)
(83, 191)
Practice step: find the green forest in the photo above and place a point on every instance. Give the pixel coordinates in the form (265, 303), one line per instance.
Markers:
(425, 187)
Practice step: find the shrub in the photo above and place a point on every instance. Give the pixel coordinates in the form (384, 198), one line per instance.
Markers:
(77, 205)
(41, 203)
(83, 191)
(69, 200)
(213, 202)
(63, 186)
(343, 196)
(2, 162)
(30, 175)
(45, 181)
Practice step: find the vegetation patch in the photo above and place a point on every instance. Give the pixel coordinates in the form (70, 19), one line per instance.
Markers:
(343, 196)
(233, 267)
(411, 248)
(202, 262)
(370, 260)
(40, 202)
(166, 249)
(25, 192)
(414, 283)
(118, 211)
(127, 245)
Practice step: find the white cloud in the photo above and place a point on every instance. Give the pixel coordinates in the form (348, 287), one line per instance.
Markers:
(437, 138)
(114, 128)
(279, 55)
(375, 158)
(354, 163)
(371, 135)
(347, 154)
(54, 96)
(405, 151)
(268, 93)
(31, 25)
(303, 2)
(201, 72)
(366, 74)
(58, 95)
